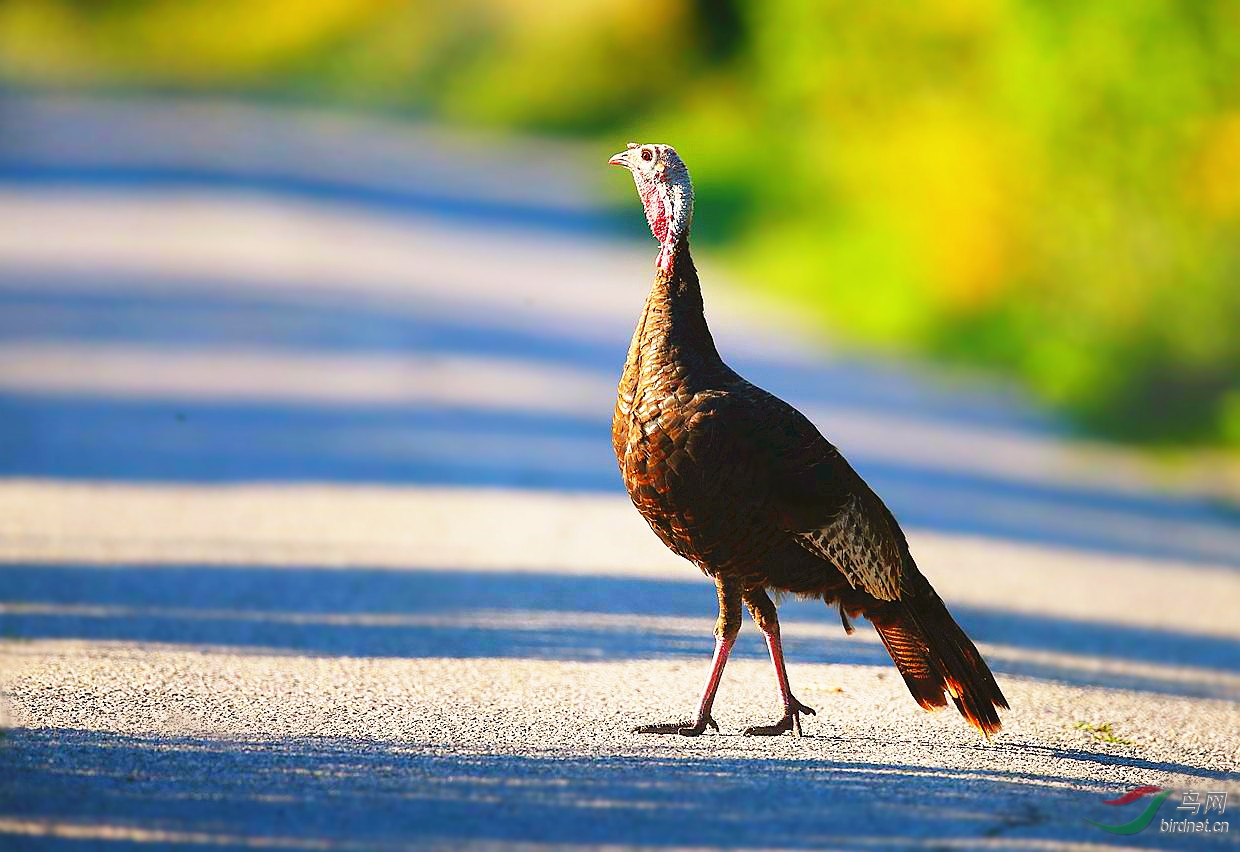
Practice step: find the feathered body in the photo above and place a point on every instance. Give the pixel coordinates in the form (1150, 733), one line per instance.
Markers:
(744, 486)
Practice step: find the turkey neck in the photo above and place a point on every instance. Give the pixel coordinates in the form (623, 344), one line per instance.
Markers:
(672, 328)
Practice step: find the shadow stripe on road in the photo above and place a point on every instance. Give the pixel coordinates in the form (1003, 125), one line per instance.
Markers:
(317, 791)
(190, 441)
(135, 180)
(453, 613)
(189, 313)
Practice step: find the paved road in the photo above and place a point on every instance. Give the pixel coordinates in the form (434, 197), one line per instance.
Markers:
(310, 536)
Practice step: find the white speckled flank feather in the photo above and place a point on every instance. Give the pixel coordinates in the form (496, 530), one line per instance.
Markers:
(865, 556)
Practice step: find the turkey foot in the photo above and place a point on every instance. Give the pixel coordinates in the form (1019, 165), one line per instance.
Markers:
(691, 728)
(687, 728)
(790, 722)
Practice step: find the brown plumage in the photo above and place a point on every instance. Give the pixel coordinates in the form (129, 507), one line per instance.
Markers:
(741, 484)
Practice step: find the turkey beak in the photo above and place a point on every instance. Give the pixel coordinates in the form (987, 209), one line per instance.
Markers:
(621, 159)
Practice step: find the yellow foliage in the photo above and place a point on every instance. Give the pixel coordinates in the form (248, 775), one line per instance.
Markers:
(241, 33)
(1214, 178)
(183, 39)
(563, 58)
(946, 181)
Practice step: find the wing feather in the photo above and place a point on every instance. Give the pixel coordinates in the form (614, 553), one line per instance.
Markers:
(786, 465)
(830, 509)
(863, 551)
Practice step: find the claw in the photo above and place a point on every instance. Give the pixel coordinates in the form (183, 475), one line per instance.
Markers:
(687, 728)
(790, 722)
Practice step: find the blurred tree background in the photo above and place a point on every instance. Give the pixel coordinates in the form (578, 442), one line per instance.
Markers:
(1042, 187)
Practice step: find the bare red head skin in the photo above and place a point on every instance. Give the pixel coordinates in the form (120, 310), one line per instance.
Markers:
(666, 193)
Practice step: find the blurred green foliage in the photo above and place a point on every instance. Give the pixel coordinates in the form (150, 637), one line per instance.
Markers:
(1045, 187)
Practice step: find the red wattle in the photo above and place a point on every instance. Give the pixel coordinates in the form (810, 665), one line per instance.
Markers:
(656, 214)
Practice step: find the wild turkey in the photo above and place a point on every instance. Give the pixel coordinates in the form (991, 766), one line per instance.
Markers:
(741, 484)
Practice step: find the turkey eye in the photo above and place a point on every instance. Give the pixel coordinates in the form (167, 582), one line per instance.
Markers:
(647, 154)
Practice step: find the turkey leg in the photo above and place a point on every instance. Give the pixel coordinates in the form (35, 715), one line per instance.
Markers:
(764, 615)
(726, 628)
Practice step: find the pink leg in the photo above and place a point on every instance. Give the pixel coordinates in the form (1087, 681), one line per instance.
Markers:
(792, 708)
(723, 647)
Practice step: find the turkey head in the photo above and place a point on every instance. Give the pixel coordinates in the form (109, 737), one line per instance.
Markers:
(666, 193)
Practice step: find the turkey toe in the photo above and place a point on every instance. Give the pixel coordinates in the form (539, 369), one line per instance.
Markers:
(686, 728)
(790, 722)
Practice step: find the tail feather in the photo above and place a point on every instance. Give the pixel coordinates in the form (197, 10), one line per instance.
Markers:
(937, 660)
